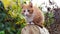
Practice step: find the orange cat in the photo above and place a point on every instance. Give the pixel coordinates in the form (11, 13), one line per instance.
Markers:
(33, 15)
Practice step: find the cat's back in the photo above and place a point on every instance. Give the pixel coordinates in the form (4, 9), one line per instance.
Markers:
(38, 12)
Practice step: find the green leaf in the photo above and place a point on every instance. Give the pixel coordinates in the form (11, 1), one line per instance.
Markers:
(2, 32)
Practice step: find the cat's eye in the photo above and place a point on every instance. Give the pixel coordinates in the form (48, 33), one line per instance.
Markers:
(28, 10)
(24, 10)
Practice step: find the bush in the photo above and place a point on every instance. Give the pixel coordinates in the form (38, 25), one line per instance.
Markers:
(11, 20)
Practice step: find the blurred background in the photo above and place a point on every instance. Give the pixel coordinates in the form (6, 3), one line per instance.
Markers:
(12, 21)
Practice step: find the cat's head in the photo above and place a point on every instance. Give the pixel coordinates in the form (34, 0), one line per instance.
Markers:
(27, 10)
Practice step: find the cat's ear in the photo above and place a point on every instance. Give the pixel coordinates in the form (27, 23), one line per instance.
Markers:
(30, 4)
(22, 5)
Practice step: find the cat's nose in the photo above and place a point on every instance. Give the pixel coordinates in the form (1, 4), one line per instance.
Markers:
(26, 14)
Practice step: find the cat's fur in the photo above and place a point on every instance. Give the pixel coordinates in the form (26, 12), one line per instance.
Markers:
(33, 14)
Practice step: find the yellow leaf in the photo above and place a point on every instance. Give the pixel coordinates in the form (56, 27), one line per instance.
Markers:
(6, 3)
(17, 22)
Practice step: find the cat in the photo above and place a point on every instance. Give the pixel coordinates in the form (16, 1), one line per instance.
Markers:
(33, 15)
